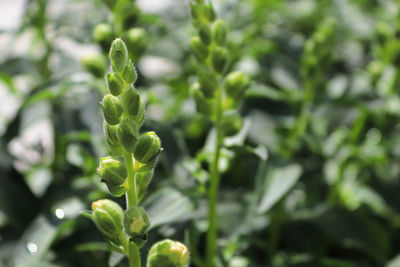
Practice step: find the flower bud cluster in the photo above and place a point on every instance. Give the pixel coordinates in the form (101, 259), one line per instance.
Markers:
(210, 48)
(125, 15)
(130, 168)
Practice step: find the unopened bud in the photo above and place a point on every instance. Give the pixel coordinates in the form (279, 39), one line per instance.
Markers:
(111, 135)
(148, 147)
(136, 221)
(114, 83)
(95, 64)
(116, 191)
(118, 55)
(143, 180)
(103, 34)
(236, 83)
(208, 82)
(129, 73)
(112, 170)
(219, 59)
(128, 134)
(210, 13)
(168, 253)
(198, 48)
(133, 104)
(107, 215)
(137, 40)
(112, 109)
(202, 104)
(205, 34)
(219, 32)
(231, 123)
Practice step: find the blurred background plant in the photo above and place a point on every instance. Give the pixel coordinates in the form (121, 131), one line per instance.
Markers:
(315, 182)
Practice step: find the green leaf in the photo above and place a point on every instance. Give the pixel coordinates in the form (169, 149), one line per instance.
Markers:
(167, 205)
(278, 182)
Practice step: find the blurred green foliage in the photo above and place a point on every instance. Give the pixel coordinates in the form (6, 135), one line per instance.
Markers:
(312, 179)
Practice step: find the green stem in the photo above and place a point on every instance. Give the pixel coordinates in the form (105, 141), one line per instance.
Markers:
(131, 197)
(211, 251)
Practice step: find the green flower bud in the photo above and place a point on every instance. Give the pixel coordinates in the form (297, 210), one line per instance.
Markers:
(118, 55)
(219, 32)
(202, 104)
(231, 123)
(236, 83)
(136, 221)
(208, 82)
(133, 104)
(143, 180)
(114, 83)
(95, 64)
(219, 59)
(116, 191)
(210, 13)
(137, 40)
(195, 11)
(110, 132)
(128, 134)
(102, 32)
(148, 147)
(130, 15)
(168, 253)
(205, 34)
(129, 73)
(198, 48)
(112, 170)
(112, 109)
(107, 216)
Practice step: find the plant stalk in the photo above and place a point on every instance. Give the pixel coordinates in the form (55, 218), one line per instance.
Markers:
(211, 252)
(131, 197)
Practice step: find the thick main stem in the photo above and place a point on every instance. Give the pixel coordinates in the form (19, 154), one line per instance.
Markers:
(131, 197)
(212, 251)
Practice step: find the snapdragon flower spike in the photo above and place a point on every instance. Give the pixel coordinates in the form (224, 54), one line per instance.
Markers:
(114, 83)
(129, 73)
(168, 253)
(112, 109)
(128, 134)
(236, 83)
(107, 216)
(112, 170)
(148, 147)
(136, 222)
(118, 55)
